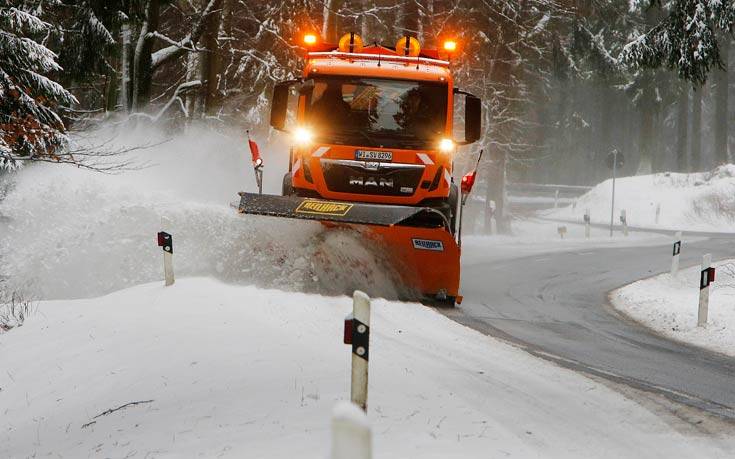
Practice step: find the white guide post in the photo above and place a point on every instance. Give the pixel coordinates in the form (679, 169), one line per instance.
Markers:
(165, 241)
(706, 277)
(360, 348)
(624, 221)
(351, 436)
(556, 198)
(658, 212)
(675, 254)
(587, 223)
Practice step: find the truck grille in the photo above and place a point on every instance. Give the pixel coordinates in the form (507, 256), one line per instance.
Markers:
(366, 177)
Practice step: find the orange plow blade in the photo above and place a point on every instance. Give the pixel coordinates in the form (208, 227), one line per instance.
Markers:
(426, 259)
(417, 241)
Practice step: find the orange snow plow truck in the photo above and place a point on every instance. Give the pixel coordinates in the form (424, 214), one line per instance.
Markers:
(373, 150)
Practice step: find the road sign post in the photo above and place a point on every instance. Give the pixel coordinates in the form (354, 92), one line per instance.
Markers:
(587, 223)
(675, 254)
(165, 241)
(357, 333)
(706, 277)
(615, 160)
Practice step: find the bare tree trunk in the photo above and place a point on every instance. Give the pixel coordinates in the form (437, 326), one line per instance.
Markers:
(410, 18)
(125, 93)
(142, 68)
(645, 165)
(210, 61)
(193, 99)
(682, 130)
(720, 122)
(697, 164)
(329, 30)
(365, 22)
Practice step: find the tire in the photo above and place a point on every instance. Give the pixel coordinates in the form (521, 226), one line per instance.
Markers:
(453, 200)
(447, 303)
(287, 185)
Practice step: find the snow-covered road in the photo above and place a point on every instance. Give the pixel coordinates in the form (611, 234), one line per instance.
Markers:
(555, 304)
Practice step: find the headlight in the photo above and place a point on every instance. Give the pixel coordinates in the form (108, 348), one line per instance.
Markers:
(446, 145)
(302, 135)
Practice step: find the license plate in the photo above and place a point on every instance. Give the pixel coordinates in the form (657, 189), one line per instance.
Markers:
(367, 155)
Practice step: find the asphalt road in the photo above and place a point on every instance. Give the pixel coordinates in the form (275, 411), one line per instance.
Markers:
(555, 305)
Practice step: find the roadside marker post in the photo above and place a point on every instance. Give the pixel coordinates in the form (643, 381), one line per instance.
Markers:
(357, 333)
(624, 222)
(587, 223)
(658, 212)
(675, 254)
(706, 277)
(351, 434)
(556, 198)
(562, 231)
(165, 241)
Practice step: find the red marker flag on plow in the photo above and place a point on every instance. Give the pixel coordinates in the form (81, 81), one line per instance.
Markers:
(254, 152)
(257, 162)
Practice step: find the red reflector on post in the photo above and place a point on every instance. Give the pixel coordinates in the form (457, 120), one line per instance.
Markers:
(711, 274)
(161, 239)
(348, 329)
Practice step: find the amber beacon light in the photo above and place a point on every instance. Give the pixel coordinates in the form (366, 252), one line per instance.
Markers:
(310, 39)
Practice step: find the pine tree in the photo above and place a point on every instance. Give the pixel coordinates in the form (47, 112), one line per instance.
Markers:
(29, 125)
(685, 40)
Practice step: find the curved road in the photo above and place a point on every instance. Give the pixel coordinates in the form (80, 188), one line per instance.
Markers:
(555, 305)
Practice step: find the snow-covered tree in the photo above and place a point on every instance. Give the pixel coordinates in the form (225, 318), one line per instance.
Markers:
(29, 125)
(686, 39)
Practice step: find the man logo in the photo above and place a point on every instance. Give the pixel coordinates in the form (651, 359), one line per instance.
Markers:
(427, 244)
(372, 181)
(335, 209)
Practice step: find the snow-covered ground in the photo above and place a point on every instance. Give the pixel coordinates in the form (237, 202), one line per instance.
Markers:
(234, 360)
(532, 236)
(699, 201)
(669, 305)
(237, 371)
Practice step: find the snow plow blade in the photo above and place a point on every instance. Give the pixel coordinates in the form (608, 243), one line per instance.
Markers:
(418, 242)
(334, 211)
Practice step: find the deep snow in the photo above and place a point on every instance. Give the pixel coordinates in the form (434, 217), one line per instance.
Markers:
(236, 371)
(697, 202)
(669, 305)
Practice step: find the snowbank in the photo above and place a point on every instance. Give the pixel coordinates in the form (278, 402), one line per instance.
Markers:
(669, 305)
(71, 233)
(236, 371)
(698, 201)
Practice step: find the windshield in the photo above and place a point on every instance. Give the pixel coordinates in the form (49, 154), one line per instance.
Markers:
(378, 112)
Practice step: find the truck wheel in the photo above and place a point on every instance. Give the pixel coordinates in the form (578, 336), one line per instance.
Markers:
(287, 186)
(448, 302)
(453, 200)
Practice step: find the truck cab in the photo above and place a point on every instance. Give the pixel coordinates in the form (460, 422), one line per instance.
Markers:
(374, 125)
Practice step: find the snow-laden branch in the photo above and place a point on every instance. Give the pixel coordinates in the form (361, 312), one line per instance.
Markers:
(186, 44)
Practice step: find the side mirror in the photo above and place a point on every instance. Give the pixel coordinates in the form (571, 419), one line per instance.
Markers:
(279, 105)
(472, 119)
